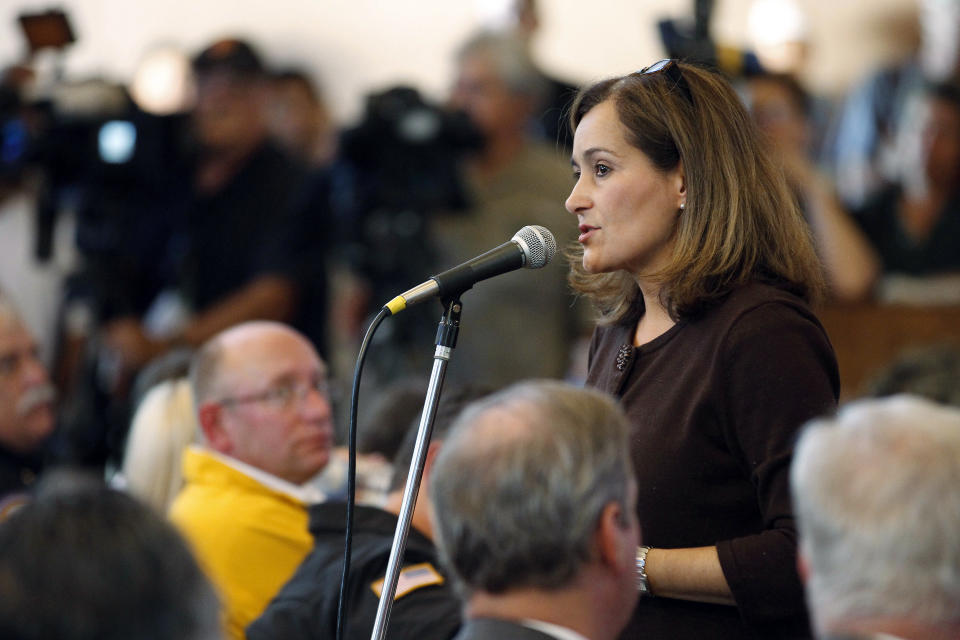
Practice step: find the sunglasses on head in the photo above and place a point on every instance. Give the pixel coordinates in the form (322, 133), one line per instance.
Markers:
(670, 68)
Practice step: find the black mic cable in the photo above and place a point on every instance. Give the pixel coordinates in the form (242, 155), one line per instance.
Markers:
(352, 471)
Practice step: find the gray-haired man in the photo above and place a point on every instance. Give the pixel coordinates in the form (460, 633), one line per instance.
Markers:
(877, 495)
(533, 500)
(27, 416)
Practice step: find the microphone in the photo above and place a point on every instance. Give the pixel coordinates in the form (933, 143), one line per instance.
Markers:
(531, 247)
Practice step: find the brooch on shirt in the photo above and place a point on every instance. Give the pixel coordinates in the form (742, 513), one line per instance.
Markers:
(623, 356)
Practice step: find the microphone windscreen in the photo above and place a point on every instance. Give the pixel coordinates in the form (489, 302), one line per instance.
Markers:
(538, 244)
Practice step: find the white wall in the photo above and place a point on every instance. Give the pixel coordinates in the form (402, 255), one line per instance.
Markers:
(355, 46)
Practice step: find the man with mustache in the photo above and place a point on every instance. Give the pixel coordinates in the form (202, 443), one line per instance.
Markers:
(26, 407)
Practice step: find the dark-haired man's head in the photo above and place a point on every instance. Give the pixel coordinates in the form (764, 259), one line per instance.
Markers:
(84, 562)
(231, 97)
(298, 117)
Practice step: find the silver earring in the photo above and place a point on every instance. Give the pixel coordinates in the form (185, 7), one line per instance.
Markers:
(683, 205)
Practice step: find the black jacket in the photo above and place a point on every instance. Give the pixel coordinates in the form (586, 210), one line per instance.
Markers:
(493, 629)
(17, 473)
(306, 607)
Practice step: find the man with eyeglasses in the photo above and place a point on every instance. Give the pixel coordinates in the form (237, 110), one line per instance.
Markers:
(424, 606)
(266, 429)
(27, 416)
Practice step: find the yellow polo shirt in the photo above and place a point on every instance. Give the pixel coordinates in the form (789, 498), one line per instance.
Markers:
(249, 538)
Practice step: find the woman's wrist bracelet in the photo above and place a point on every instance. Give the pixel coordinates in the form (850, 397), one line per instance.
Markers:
(643, 584)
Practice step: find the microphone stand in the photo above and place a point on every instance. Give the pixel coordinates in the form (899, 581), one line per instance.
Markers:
(446, 341)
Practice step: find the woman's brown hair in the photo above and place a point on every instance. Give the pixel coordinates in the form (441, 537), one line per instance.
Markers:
(741, 222)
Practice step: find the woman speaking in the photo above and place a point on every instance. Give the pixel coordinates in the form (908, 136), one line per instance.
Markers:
(702, 270)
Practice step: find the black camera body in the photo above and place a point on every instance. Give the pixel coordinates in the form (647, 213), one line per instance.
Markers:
(398, 166)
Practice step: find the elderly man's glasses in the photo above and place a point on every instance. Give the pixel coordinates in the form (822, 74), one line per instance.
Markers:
(670, 68)
(283, 396)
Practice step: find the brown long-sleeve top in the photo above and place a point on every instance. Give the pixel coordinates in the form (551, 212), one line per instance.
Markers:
(715, 404)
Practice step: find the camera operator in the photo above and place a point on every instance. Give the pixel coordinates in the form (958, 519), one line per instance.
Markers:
(240, 239)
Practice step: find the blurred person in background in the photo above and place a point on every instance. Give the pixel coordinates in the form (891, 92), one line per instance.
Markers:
(301, 123)
(241, 251)
(27, 414)
(914, 223)
(520, 324)
(877, 495)
(164, 424)
(550, 116)
(781, 108)
(861, 147)
(299, 118)
(241, 245)
(84, 562)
